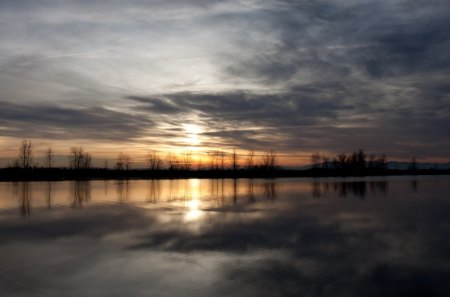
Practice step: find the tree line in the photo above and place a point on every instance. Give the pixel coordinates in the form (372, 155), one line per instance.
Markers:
(79, 158)
(356, 161)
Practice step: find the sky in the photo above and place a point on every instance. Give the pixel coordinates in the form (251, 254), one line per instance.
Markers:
(293, 76)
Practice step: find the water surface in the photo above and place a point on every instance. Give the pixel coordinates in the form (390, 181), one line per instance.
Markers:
(384, 236)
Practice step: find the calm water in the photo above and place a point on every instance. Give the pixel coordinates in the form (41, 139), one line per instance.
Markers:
(285, 237)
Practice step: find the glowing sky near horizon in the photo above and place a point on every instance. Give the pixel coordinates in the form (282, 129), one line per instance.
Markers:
(292, 76)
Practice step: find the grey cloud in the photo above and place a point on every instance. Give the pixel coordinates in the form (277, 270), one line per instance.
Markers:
(59, 122)
(296, 75)
(313, 117)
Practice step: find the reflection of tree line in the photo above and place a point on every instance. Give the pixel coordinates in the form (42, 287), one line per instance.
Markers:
(80, 192)
(22, 190)
(343, 189)
(123, 190)
(217, 190)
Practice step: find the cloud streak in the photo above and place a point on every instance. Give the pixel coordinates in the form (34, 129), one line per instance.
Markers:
(292, 75)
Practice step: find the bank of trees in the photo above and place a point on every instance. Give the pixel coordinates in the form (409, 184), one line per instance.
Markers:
(357, 161)
(216, 160)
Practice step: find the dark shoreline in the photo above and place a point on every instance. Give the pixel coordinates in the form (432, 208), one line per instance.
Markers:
(55, 174)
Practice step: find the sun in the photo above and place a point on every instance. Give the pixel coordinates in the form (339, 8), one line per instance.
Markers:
(192, 134)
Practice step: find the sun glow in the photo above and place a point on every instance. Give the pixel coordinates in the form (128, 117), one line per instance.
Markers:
(192, 134)
(194, 210)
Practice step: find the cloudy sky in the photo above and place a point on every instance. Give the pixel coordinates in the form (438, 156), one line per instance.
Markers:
(293, 76)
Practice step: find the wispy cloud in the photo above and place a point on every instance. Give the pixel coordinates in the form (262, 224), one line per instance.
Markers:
(296, 75)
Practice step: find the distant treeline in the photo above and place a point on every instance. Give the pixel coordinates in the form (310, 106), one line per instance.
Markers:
(219, 165)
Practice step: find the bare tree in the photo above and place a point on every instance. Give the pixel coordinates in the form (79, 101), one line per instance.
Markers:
(123, 161)
(372, 161)
(25, 158)
(79, 159)
(173, 162)
(214, 157)
(221, 157)
(234, 161)
(315, 160)
(154, 161)
(250, 159)
(413, 164)
(270, 160)
(325, 161)
(381, 162)
(342, 159)
(186, 160)
(49, 158)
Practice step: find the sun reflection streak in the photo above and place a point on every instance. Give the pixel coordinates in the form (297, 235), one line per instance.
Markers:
(194, 212)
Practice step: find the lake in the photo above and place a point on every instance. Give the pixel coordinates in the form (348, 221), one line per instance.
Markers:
(378, 236)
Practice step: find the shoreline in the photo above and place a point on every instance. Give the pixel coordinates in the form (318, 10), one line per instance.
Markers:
(62, 174)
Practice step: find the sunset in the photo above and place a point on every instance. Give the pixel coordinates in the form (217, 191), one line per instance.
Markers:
(293, 76)
(224, 147)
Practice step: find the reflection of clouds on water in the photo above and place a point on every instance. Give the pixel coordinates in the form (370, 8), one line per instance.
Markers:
(383, 247)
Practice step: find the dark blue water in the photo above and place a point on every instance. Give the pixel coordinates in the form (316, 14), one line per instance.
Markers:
(283, 237)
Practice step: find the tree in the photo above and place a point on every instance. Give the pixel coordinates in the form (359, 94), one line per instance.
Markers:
(79, 159)
(25, 158)
(270, 160)
(381, 162)
(342, 160)
(123, 161)
(186, 160)
(49, 158)
(214, 159)
(413, 165)
(372, 161)
(173, 162)
(154, 161)
(325, 160)
(315, 160)
(234, 161)
(250, 160)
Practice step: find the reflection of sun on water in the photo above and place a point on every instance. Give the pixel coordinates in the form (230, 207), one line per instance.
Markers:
(194, 211)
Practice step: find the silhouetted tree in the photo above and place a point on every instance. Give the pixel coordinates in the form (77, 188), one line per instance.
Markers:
(79, 159)
(381, 162)
(222, 160)
(250, 159)
(413, 165)
(234, 161)
(325, 160)
(342, 160)
(186, 160)
(25, 158)
(315, 160)
(173, 162)
(372, 161)
(214, 157)
(49, 158)
(270, 160)
(154, 161)
(123, 161)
